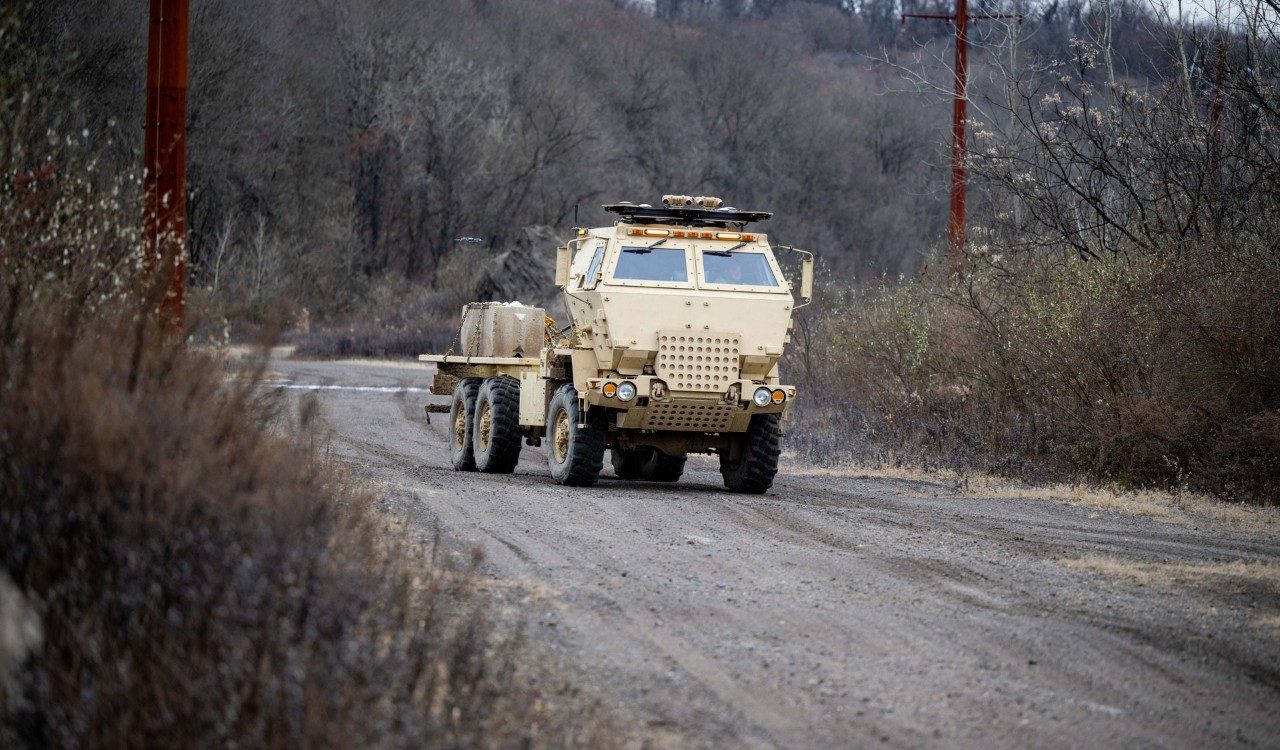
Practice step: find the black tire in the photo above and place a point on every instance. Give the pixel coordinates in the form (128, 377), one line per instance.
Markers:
(462, 412)
(629, 464)
(753, 472)
(575, 454)
(663, 468)
(496, 434)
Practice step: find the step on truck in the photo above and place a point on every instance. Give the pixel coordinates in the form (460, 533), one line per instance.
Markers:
(678, 316)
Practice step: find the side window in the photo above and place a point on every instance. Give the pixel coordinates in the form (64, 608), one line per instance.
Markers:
(593, 271)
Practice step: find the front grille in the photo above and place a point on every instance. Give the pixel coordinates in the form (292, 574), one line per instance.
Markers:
(697, 362)
(688, 417)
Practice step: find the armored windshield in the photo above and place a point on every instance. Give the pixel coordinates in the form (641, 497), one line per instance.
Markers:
(651, 264)
(738, 269)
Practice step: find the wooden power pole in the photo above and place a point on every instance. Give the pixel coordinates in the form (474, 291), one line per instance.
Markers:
(961, 19)
(165, 153)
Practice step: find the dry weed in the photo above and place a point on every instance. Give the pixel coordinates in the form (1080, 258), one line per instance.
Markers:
(1185, 573)
(1261, 578)
(1182, 508)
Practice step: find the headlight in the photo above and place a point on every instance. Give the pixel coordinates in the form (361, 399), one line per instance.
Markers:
(779, 396)
(762, 397)
(626, 391)
(609, 390)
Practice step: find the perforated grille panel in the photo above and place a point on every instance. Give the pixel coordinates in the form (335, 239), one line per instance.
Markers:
(688, 417)
(697, 361)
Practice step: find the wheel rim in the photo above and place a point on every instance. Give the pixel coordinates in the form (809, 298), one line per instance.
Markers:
(483, 423)
(460, 428)
(560, 441)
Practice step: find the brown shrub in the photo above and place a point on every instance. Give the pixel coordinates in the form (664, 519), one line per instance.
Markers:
(199, 576)
(1115, 314)
(398, 319)
(1146, 371)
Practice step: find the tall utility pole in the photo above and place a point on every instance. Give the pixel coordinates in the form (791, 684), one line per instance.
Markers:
(165, 153)
(961, 18)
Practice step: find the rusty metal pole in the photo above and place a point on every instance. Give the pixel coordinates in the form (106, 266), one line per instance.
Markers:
(165, 154)
(959, 113)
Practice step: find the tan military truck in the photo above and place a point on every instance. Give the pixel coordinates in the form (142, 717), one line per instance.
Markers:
(677, 319)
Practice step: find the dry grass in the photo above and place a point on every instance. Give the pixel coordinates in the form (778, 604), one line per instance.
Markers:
(1269, 623)
(1186, 509)
(1200, 575)
(1194, 574)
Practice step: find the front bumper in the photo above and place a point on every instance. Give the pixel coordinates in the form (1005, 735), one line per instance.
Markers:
(684, 411)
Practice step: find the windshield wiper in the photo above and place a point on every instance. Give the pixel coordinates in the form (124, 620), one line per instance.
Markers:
(643, 250)
(723, 253)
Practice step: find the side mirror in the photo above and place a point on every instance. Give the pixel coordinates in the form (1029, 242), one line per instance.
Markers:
(564, 257)
(806, 279)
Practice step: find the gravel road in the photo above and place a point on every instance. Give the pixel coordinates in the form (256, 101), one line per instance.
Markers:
(844, 610)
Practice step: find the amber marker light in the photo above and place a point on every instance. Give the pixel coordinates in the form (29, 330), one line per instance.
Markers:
(779, 396)
(657, 232)
(609, 390)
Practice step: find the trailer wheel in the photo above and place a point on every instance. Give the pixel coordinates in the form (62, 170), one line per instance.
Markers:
(575, 454)
(630, 464)
(461, 418)
(663, 468)
(753, 471)
(496, 435)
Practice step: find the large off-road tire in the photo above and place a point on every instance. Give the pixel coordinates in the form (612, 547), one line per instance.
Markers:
(629, 464)
(461, 418)
(575, 454)
(496, 436)
(663, 468)
(753, 472)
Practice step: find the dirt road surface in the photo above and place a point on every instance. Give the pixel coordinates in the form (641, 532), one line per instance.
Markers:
(842, 610)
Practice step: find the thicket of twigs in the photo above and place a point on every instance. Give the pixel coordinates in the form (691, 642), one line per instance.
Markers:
(177, 566)
(341, 147)
(1118, 317)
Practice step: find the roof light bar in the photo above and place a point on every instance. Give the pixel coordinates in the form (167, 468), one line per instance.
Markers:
(692, 234)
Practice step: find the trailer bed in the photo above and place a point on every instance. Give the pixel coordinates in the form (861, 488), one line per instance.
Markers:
(455, 359)
(450, 368)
